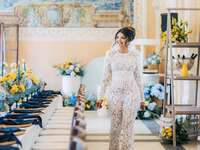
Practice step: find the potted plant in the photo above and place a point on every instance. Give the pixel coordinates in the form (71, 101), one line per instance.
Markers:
(153, 95)
(153, 61)
(179, 32)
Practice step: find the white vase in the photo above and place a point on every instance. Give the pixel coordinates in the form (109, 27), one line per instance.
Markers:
(102, 112)
(70, 85)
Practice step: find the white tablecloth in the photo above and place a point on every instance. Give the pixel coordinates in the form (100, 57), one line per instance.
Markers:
(33, 131)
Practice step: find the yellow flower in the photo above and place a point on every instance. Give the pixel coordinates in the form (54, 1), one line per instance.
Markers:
(169, 135)
(179, 31)
(21, 88)
(168, 129)
(2, 79)
(12, 76)
(34, 79)
(14, 89)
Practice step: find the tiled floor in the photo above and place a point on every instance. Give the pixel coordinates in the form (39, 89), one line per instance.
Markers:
(146, 134)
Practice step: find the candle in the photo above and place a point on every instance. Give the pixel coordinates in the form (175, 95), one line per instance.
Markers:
(24, 64)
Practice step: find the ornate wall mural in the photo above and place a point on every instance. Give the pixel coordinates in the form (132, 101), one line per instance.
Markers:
(70, 13)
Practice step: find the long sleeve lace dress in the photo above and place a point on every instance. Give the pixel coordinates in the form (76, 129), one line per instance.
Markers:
(122, 83)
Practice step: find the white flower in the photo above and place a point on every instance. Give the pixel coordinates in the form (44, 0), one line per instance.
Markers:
(151, 106)
(72, 74)
(71, 67)
(147, 114)
(76, 69)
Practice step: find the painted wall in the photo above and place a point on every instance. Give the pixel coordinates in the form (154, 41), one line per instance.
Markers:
(44, 47)
(7, 5)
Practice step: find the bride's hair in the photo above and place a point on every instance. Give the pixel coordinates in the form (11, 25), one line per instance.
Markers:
(128, 32)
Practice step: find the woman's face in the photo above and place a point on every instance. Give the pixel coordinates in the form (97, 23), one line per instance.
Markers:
(121, 39)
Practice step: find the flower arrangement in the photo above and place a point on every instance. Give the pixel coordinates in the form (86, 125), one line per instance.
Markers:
(179, 31)
(153, 59)
(18, 83)
(69, 69)
(70, 100)
(156, 91)
(13, 87)
(90, 105)
(11, 84)
(153, 95)
(166, 133)
(90, 102)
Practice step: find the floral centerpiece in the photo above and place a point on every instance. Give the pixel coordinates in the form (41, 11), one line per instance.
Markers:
(153, 59)
(69, 68)
(18, 83)
(13, 86)
(71, 73)
(154, 95)
(166, 133)
(179, 31)
(90, 102)
(69, 100)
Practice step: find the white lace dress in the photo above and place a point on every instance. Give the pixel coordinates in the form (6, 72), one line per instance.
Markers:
(122, 84)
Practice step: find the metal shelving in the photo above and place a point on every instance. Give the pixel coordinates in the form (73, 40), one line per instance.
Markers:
(179, 109)
(187, 45)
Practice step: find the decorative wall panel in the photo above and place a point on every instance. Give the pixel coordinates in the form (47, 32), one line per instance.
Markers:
(70, 13)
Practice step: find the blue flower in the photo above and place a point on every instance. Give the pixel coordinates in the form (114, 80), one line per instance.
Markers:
(68, 72)
(2, 95)
(28, 83)
(158, 91)
(153, 59)
(147, 92)
(72, 100)
(151, 106)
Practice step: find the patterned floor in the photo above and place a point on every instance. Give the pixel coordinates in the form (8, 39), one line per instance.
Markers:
(146, 134)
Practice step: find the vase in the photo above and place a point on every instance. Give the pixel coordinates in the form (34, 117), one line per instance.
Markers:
(70, 85)
(166, 122)
(102, 112)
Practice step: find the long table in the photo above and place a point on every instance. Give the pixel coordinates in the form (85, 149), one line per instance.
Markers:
(32, 132)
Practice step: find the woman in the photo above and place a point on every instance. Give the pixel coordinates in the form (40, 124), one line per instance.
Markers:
(122, 83)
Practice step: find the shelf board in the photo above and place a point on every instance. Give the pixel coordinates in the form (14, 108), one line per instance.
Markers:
(178, 77)
(187, 45)
(187, 78)
(185, 109)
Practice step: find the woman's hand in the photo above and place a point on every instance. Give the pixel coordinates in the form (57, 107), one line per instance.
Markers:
(99, 103)
(142, 105)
